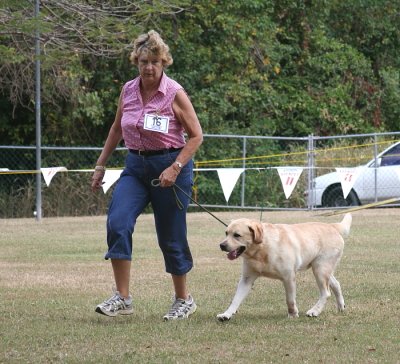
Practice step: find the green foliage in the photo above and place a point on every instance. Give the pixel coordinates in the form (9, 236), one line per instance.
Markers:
(391, 97)
(10, 55)
(372, 28)
(333, 94)
(228, 64)
(289, 67)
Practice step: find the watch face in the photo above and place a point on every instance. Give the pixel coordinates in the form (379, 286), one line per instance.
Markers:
(179, 164)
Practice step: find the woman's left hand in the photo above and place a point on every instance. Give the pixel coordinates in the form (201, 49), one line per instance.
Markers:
(168, 176)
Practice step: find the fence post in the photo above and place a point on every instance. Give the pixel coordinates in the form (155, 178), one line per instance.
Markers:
(376, 167)
(244, 153)
(38, 117)
(310, 166)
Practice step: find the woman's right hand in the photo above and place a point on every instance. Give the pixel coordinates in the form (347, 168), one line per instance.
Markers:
(97, 179)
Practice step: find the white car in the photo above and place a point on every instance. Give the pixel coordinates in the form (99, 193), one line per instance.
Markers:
(386, 172)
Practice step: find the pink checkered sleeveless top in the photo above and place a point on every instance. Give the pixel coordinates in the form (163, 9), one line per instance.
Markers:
(133, 114)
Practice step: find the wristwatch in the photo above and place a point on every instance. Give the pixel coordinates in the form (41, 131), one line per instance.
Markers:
(179, 164)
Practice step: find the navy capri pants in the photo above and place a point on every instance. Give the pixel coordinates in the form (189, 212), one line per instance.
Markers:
(134, 192)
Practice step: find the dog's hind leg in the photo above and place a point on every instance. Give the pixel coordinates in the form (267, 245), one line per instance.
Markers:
(335, 286)
(322, 278)
(243, 289)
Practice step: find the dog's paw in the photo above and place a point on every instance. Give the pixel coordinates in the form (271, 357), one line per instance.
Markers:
(223, 317)
(341, 308)
(293, 315)
(312, 313)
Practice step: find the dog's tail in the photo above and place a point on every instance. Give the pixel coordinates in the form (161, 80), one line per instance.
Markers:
(344, 226)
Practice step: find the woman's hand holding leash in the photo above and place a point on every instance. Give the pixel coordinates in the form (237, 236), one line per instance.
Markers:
(168, 176)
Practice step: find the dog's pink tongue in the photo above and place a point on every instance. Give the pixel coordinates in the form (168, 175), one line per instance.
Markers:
(232, 255)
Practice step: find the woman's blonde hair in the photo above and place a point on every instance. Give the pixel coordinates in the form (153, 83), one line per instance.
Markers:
(152, 43)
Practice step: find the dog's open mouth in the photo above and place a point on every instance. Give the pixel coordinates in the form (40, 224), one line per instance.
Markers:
(236, 253)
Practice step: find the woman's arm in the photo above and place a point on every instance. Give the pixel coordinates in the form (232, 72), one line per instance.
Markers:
(186, 115)
(112, 141)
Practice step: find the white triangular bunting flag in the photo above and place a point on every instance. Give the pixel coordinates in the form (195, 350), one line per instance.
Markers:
(49, 173)
(348, 177)
(110, 177)
(228, 178)
(289, 177)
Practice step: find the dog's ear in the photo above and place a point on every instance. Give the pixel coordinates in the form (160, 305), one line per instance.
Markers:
(256, 229)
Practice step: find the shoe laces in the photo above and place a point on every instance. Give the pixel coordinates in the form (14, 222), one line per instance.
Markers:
(115, 300)
(179, 306)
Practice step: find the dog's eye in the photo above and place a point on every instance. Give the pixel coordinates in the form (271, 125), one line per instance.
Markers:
(236, 235)
(226, 233)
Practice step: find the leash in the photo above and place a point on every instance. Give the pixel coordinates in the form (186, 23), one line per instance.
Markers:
(374, 204)
(156, 183)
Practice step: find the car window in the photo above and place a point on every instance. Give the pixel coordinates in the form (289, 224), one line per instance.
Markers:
(391, 157)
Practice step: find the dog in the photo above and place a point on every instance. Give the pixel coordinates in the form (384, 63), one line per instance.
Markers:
(279, 251)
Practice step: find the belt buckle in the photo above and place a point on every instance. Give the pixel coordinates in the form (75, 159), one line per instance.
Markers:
(141, 152)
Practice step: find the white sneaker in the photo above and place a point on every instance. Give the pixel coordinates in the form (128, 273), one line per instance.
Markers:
(115, 305)
(181, 309)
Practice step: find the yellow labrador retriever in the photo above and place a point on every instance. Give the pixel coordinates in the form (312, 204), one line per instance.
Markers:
(278, 251)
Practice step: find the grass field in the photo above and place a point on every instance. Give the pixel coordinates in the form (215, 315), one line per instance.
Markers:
(52, 275)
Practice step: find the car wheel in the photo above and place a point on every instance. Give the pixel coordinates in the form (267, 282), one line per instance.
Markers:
(334, 198)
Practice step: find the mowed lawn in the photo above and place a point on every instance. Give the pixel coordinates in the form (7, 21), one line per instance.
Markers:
(52, 275)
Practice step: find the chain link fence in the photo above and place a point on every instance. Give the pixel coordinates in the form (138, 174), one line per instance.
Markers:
(256, 161)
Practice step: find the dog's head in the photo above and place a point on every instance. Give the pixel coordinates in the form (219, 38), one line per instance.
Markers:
(241, 235)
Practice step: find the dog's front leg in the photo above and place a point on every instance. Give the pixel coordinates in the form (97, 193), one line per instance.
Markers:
(290, 290)
(243, 289)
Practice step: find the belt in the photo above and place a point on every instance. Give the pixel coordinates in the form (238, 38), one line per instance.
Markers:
(147, 153)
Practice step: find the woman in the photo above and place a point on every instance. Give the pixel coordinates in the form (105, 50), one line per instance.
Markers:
(153, 113)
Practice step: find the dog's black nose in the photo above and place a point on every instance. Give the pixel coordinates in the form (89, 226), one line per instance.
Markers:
(223, 246)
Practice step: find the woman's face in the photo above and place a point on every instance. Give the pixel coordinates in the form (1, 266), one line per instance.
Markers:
(150, 66)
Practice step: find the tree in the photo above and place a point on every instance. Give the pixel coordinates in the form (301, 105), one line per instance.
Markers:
(287, 67)
(78, 38)
(372, 27)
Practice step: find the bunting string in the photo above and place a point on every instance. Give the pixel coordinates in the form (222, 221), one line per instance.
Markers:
(228, 175)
